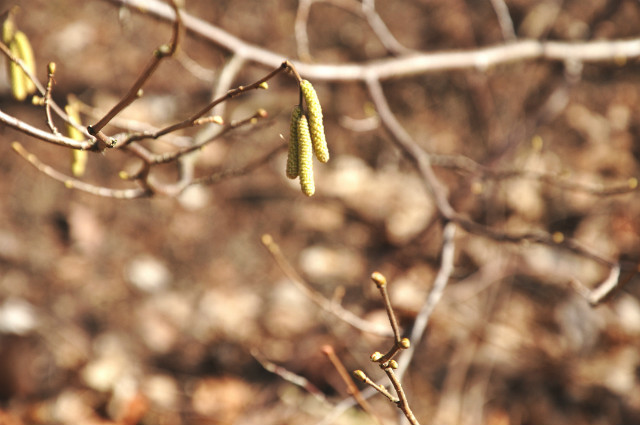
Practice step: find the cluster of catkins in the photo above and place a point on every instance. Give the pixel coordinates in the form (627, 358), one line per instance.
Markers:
(306, 138)
(18, 44)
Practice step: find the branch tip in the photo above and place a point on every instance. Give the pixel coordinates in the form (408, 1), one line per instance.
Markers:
(379, 279)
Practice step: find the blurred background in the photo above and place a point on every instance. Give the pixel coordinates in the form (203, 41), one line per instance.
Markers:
(149, 310)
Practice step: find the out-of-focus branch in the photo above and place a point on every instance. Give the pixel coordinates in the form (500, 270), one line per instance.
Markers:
(73, 183)
(504, 18)
(437, 190)
(316, 297)
(405, 65)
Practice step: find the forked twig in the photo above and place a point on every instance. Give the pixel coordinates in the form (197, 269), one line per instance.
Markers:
(164, 51)
(386, 361)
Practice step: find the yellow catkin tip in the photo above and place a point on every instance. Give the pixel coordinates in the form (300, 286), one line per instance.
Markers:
(537, 143)
(123, 175)
(305, 157)
(315, 121)
(393, 364)
(558, 237)
(264, 85)
(8, 29)
(25, 52)
(51, 68)
(217, 119)
(16, 75)
(379, 279)
(68, 184)
(632, 182)
(292, 156)
(405, 343)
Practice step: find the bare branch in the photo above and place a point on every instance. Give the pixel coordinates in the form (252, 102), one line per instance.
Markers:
(405, 65)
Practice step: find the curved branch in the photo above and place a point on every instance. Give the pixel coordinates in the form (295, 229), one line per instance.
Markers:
(56, 139)
(405, 65)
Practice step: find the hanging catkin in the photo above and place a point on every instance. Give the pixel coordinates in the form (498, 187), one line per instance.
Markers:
(305, 157)
(292, 157)
(315, 121)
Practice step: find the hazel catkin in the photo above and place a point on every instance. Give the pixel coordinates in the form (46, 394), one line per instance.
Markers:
(292, 158)
(305, 157)
(315, 121)
(79, 157)
(25, 52)
(17, 76)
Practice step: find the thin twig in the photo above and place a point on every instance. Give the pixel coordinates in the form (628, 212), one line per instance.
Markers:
(51, 69)
(226, 174)
(352, 389)
(466, 164)
(402, 403)
(189, 122)
(435, 294)
(159, 54)
(289, 376)
(316, 297)
(73, 183)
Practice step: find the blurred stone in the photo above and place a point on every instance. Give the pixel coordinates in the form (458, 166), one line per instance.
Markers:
(111, 366)
(321, 262)
(162, 319)
(162, 390)
(230, 312)
(627, 309)
(194, 197)
(538, 22)
(290, 312)
(148, 274)
(17, 316)
(224, 399)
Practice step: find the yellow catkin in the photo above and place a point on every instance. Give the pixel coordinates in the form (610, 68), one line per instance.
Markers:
(305, 157)
(315, 121)
(25, 52)
(292, 157)
(79, 158)
(17, 76)
(8, 29)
